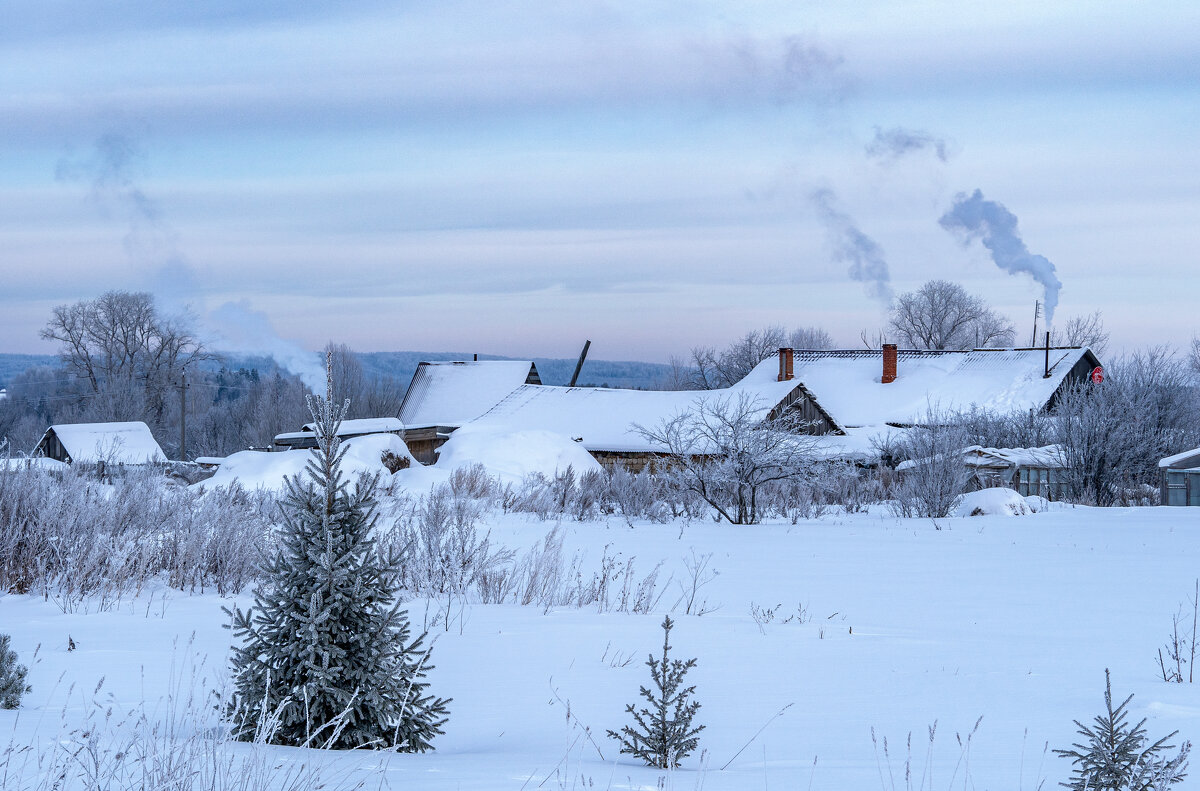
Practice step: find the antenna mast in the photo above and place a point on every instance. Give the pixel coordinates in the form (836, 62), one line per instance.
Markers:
(1037, 314)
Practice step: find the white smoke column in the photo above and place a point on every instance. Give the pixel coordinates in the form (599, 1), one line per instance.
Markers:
(851, 245)
(972, 217)
(241, 329)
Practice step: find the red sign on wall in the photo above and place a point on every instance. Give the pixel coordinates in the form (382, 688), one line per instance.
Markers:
(1097, 375)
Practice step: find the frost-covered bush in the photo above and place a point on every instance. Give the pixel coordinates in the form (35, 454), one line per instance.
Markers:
(67, 536)
(935, 474)
(12, 676)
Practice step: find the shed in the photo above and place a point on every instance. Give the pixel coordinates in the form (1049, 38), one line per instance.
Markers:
(100, 443)
(1179, 478)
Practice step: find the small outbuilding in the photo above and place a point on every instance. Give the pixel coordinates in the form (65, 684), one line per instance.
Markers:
(100, 443)
(1179, 478)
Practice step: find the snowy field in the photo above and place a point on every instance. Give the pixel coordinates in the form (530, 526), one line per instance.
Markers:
(904, 623)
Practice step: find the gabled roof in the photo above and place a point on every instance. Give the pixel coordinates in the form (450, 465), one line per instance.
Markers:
(453, 393)
(114, 443)
(847, 383)
(604, 418)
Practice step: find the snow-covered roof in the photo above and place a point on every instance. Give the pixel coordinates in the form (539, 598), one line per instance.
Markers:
(363, 425)
(453, 393)
(1181, 458)
(1049, 456)
(1045, 456)
(605, 418)
(348, 428)
(847, 383)
(114, 443)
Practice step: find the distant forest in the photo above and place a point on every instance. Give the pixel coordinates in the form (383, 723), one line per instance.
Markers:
(401, 365)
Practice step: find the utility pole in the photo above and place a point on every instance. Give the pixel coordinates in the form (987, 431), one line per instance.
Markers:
(183, 386)
(579, 365)
(1037, 313)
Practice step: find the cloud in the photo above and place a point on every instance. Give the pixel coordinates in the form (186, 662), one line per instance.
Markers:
(888, 145)
(973, 217)
(852, 246)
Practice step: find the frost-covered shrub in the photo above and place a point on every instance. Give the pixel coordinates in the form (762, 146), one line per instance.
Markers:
(643, 495)
(935, 474)
(66, 536)
(12, 676)
(441, 548)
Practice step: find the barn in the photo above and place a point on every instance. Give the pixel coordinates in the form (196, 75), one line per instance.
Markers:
(100, 443)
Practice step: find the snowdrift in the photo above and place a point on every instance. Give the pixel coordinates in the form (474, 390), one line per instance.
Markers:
(258, 470)
(511, 455)
(992, 502)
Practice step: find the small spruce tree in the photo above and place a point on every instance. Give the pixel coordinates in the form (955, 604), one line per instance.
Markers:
(1116, 757)
(326, 658)
(12, 676)
(662, 733)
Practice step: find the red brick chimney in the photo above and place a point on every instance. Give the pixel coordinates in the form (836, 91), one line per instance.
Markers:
(785, 365)
(889, 363)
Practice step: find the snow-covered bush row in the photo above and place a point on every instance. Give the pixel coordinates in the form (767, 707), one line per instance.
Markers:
(445, 555)
(66, 536)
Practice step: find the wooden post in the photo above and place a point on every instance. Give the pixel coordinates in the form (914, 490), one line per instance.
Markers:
(579, 365)
(183, 417)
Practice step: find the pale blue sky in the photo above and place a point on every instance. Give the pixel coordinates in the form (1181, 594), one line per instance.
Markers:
(514, 177)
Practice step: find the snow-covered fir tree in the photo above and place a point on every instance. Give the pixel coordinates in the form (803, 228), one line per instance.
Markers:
(662, 733)
(326, 658)
(12, 676)
(1116, 756)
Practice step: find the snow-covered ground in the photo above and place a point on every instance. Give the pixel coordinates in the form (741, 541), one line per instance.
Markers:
(906, 623)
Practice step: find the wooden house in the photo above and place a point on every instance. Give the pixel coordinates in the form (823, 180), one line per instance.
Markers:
(100, 443)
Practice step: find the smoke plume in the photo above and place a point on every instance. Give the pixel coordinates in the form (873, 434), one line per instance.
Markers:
(112, 171)
(891, 144)
(972, 217)
(851, 245)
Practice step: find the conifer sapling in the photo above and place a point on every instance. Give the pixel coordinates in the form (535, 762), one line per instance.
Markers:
(12, 676)
(662, 732)
(326, 658)
(1117, 757)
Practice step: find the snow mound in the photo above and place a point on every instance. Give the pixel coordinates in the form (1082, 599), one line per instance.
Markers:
(1037, 503)
(992, 502)
(258, 470)
(511, 455)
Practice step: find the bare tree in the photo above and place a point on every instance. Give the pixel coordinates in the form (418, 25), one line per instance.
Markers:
(810, 338)
(370, 396)
(1113, 433)
(120, 342)
(711, 369)
(933, 475)
(1082, 331)
(1194, 356)
(942, 315)
(726, 450)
